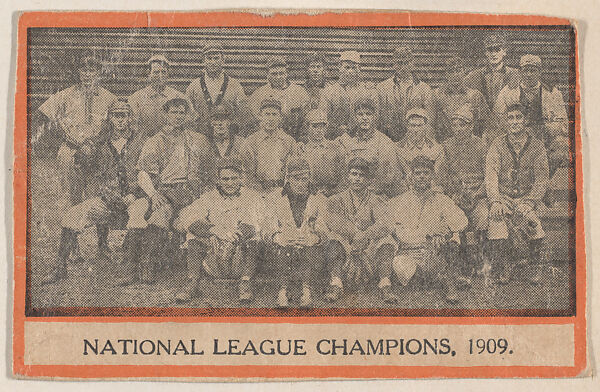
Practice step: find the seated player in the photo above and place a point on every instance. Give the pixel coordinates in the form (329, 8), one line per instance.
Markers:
(367, 142)
(427, 225)
(115, 161)
(265, 152)
(174, 167)
(516, 180)
(222, 227)
(295, 230)
(463, 172)
(359, 246)
(325, 157)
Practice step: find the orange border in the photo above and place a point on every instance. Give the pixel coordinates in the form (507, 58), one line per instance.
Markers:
(230, 19)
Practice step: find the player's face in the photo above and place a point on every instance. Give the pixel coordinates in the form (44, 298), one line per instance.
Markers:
(461, 128)
(299, 183)
(270, 118)
(230, 181)
(119, 120)
(403, 67)
(530, 75)
(358, 179)
(364, 117)
(213, 62)
(316, 131)
(495, 54)
(220, 127)
(277, 77)
(158, 73)
(422, 178)
(516, 121)
(89, 76)
(316, 70)
(176, 115)
(349, 72)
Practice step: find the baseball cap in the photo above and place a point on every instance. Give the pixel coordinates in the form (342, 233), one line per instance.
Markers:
(158, 58)
(276, 61)
(220, 112)
(530, 59)
(120, 106)
(270, 103)
(419, 112)
(364, 103)
(464, 112)
(495, 40)
(297, 165)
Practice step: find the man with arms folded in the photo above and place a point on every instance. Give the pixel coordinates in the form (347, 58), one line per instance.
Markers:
(426, 226)
(295, 230)
(173, 168)
(325, 157)
(340, 97)
(266, 151)
(223, 227)
(215, 87)
(516, 180)
(147, 103)
(293, 97)
(370, 144)
(400, 93)
(360, 246)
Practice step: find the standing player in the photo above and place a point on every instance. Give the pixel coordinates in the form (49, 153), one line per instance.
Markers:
(315, 83)
(79, 112)
(454, 94)
(215, 87)
(400, 93)
(293, 97)
(492, 77)
(545, 110)
(147, 103)
(341, 97)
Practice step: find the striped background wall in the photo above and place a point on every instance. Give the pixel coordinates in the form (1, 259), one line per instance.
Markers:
(53, 53)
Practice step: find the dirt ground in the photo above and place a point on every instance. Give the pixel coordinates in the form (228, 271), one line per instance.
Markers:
(91, 283)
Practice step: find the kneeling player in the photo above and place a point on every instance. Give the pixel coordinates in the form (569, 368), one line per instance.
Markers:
(427, 226)
(360, 244)
(295, 230)
(223, 227)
